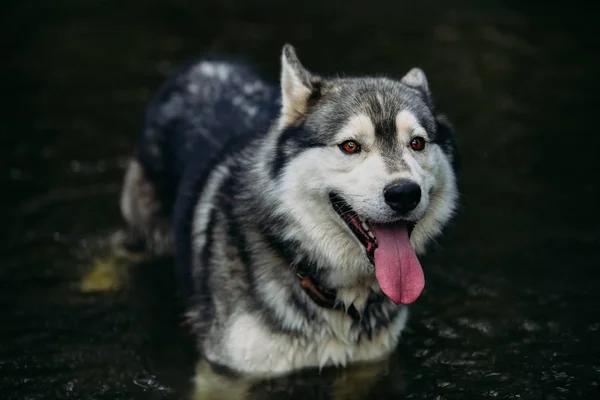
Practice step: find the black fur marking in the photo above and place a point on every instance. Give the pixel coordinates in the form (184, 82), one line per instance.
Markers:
(303, 267)
(206, 253)
(290, 251)
(190, 192)
(292, 141)
(235, 232)
(376, 309)
(385, 131)
(192, 186)
(285, 250)
(387, 141)
(203, 303)
(383, 122)
(316, 92)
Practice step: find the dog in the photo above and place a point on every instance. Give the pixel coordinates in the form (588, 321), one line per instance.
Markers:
(295, 211)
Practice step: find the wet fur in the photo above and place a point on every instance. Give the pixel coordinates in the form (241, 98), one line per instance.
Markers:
(233, 175)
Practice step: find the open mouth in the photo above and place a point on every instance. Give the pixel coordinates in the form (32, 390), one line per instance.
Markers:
(359, 226)
(388, 247)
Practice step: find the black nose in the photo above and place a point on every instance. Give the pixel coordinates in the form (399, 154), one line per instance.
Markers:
(403, 197)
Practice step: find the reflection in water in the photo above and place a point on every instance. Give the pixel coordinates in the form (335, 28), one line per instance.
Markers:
(366, 381)
(108, 271)
(211, 385)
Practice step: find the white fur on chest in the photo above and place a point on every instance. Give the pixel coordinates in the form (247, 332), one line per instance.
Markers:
(255, 350)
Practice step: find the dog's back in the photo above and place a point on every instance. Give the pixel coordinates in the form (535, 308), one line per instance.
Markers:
(202, 107)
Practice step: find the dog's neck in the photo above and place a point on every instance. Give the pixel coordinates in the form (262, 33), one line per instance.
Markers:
(312, 279)
(326, 298)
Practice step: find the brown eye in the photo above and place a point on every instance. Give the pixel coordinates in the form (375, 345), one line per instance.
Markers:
(350, 147)
(417, 144)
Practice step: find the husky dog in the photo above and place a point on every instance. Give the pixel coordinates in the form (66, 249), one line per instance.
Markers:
(294, 213)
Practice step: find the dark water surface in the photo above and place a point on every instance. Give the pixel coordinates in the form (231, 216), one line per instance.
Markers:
(511, 307)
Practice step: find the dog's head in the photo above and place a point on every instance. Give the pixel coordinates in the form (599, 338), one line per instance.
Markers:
(365, 171)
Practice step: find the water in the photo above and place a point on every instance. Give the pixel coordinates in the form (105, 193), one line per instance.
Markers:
(511, 303)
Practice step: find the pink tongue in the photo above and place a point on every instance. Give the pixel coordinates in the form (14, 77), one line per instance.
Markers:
(397, 268)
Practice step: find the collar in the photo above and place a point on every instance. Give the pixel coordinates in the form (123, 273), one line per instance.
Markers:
(324, 297)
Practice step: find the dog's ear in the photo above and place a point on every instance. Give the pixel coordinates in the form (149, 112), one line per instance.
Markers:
(298, 87)
(416, 79)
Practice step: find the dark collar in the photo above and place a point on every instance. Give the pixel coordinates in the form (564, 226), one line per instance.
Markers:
(324, 297)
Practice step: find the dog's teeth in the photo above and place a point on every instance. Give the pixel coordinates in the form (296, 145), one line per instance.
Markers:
(365, 226)
(371, 234)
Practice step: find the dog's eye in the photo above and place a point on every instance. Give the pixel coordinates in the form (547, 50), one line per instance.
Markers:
(417, 144)
(350, 147)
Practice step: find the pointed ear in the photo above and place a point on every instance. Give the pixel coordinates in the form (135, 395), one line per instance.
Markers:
(416, 79)
(298, 86)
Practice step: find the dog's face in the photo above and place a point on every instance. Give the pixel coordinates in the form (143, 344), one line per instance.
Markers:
(367, 171)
